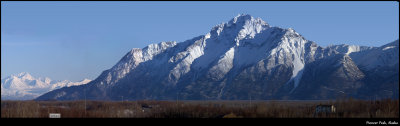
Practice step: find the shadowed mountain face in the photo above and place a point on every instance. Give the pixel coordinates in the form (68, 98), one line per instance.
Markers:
(242, 59)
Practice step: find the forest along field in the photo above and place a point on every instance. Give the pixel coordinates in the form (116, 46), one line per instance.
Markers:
(349, 108)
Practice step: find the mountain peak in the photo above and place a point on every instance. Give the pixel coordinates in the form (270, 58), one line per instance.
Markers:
(240, 27)
(243, 18)
(25, 75)
(243, 56)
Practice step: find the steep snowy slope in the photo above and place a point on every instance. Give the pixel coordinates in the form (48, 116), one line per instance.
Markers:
(243, 58)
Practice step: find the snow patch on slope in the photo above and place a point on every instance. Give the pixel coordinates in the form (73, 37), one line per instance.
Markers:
(131, 60)
(389, 47)
(223, 66)
(294, 44)
(190, 54)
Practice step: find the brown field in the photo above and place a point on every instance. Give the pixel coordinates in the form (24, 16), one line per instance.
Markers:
(349, 108)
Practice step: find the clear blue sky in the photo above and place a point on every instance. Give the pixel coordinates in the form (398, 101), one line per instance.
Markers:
(76, 40)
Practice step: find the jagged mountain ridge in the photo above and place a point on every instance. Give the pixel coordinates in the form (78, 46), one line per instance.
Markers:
(244, 57)
(24, 86)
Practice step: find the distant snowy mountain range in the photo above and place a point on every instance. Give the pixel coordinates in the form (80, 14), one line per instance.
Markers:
(24, 86)
(242, 59)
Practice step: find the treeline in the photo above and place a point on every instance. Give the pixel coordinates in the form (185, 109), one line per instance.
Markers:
(345, 108)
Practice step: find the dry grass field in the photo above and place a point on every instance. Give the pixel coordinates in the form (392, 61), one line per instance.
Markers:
(348, 108)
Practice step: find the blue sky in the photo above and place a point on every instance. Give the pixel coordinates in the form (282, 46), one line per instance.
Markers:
(76, 40)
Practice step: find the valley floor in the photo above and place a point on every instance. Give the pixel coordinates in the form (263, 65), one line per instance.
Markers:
(348, 108)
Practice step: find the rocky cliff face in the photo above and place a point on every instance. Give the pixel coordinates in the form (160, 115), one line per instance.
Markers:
(243, 58)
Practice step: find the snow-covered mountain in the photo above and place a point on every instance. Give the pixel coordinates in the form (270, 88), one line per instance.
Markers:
(24, 86)
(245, 57)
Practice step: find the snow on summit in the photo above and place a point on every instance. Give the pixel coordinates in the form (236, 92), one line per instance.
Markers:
(24, 86)
(243, 57)
(227, 48)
